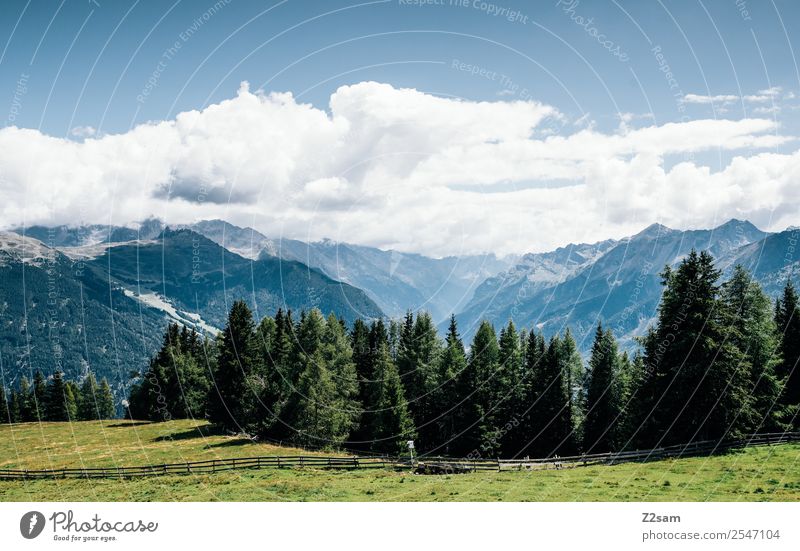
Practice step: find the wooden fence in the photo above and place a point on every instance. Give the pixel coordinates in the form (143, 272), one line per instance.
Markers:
(436, 465)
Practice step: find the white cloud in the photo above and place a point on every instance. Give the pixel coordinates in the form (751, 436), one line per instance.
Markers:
(399, 168)
(762, 96)
(702, 99)
(772, 110)
(83, 131)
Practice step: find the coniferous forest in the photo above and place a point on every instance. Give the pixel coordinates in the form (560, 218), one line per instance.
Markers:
(720, 361)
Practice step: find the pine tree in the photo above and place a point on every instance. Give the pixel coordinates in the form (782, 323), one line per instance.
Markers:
(25, 402)
(444, 399)
(391, 423)
(421, 349)
(59, 400)
(15, 406)
(697, 378)
(507, 388)
(552, 430)
(603, 405)
(473, 395)
(362, 358)
(533, 369)
(5, 411)
(230, 397)
(318, 418)
(633, 374)
(39, 398)
(87, 405)
(752, 330)
(267, 380)
(106, 408)
(787, 319)
(338, 356)
(575, 381)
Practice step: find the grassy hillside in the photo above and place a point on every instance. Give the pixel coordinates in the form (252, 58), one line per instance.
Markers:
(767, 473)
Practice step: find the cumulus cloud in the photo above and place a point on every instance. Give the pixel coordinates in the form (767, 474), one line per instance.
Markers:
(400, 168)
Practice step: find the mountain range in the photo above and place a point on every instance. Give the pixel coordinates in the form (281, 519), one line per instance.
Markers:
(105, 304)
(99, 296)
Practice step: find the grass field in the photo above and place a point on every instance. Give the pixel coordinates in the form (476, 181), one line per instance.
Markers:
(756, 474)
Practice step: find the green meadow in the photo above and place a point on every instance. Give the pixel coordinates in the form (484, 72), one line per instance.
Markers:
(770, 473)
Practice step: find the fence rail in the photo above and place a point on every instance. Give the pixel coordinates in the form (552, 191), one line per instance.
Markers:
(424, 464)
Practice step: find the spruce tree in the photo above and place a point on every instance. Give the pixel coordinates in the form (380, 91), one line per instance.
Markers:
(391, 424)
(787, 319)
(533, 369)
(751, 328)
(338, 356)
(318, 418)
(87, 405)
(420, 380)
(25, 402)
(603, 404)
(229, 397)
(39, 398)
(5, 412)
(362, 358)
(552, 430)
(15, 406)
(507, 388)
(474, 439)
(59, 400)
(575, 381)
(106, 408)
(697, 378)
(267, 379)
(444, 399)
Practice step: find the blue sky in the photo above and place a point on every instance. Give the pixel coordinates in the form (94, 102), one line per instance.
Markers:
(80, 72)
(87, 62)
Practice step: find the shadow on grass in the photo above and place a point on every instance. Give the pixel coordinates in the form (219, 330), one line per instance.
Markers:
(229, 443)
(199, 432)
(131, 424)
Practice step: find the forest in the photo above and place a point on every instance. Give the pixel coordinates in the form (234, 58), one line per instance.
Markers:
(718, 362)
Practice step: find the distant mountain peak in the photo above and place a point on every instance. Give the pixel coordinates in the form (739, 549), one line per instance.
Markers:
(654, 230)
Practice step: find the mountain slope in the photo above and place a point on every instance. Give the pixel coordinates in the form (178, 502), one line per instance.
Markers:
(396, 281)
(54, 313)
(616, 282)
(108, 312)
(196, 275)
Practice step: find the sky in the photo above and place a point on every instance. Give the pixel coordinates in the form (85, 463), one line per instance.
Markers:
(432, 126)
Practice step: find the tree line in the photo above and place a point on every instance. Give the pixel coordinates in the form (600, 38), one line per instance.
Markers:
(720, 361)
(57, 399)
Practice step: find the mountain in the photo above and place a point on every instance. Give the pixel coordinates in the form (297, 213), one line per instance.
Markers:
(108, 311)
(198, 276)
(81, 236)
(617, 282)
(396, 281)
(771, 260)
(54, 312)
